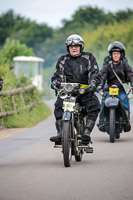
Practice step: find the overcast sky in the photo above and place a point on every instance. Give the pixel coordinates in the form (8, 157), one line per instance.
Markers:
(52, 12)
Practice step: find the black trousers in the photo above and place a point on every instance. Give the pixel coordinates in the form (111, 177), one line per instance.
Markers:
(89, 100)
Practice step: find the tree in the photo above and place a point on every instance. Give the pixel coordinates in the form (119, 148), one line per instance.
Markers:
(35, 34)
(87, 15)
(123, 15)
(13, 48)
(17, 27)
(7, 23)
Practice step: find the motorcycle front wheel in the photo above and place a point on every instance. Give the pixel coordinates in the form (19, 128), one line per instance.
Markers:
(112, 125)
(78, 155)
(67, 143)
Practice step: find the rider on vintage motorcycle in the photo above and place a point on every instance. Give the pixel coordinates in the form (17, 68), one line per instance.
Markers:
(108, 59)
(117, 72)
(77, 67)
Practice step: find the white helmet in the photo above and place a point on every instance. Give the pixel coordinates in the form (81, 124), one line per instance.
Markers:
(75, 39)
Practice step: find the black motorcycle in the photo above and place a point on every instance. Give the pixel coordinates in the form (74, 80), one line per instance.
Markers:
(113, 117)
(73, 121)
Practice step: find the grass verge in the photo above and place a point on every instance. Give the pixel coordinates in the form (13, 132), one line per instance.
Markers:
(27, 118)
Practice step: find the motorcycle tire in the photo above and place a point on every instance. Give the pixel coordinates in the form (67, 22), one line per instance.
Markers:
(78, 158)
(66, 144)
(112, 125)
(117, 136)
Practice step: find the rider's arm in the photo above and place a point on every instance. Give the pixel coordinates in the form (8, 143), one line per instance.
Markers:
(104, 75)
(129, 73)
(94, 71)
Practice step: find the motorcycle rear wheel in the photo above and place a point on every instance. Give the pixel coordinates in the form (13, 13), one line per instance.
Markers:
(117, 136)
(67, 144)
(78, 158)
(112, 125)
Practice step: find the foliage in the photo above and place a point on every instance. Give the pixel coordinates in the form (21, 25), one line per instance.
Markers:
(85, 15)
(33, 35)
(17, 34)
(52, 48)
(104, 35)
(94, 17)
(17, 27)
(7, 21)
(27, 118)
(13, 48)
(96, 41)
(123, 15)
(97, 27)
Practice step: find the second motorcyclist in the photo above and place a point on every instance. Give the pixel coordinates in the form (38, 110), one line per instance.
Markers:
(117, 72)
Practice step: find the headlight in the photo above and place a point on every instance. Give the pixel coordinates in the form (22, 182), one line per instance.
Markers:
(69, 87)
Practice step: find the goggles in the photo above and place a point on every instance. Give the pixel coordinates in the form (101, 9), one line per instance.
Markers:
(73, 41)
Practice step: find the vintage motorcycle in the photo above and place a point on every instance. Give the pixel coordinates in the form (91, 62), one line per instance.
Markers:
(113, 118)
(73, 121)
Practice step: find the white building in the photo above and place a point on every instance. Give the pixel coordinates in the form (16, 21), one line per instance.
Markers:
(30, 66)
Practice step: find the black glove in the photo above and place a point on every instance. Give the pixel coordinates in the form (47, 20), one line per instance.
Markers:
(92, 87)
(55, 85)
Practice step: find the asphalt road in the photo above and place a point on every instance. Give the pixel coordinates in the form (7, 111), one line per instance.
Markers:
(32, 169)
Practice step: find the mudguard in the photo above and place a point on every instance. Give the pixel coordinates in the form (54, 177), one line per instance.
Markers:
(109, 102)
(66, 116)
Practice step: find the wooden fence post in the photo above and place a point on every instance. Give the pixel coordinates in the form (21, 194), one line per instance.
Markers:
(22, 98)
(13, 102)
(14, 92)
(0, 104)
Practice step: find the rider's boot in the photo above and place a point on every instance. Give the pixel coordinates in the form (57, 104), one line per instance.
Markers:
(127, 126)
(58, 137)
(87, 131)
(128, 114)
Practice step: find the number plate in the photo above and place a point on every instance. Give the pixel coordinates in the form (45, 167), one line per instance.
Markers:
(68, 106)
(113, 91)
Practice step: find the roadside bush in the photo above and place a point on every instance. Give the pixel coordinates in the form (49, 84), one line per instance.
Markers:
(25, 118)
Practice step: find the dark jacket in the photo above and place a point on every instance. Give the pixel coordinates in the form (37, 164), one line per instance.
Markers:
(82, 69)
(124, 71)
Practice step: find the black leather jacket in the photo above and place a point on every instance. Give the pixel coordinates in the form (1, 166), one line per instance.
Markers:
(82, 69)
(124, 71)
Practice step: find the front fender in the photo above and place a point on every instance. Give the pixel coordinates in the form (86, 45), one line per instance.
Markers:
(66, 116)
(109, 102)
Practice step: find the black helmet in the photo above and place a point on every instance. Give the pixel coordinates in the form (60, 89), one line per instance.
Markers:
(117, 47)
(75, 39)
